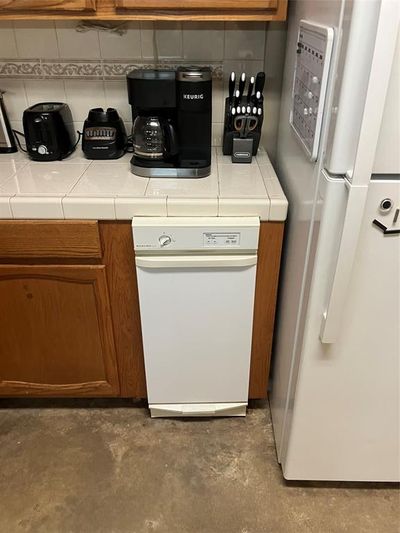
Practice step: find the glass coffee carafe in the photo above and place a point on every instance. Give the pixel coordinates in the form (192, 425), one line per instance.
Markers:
(154, 138)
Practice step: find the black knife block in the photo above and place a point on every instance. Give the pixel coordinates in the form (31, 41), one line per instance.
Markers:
(230, 133)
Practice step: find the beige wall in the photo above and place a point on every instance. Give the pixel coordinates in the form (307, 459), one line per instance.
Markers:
(387, 157)
(50, 47)
(275, 45)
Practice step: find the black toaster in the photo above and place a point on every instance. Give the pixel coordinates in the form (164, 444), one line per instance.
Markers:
(49, 131)
(104, 134)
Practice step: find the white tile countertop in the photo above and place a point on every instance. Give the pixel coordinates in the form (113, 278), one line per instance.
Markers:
(79, 188)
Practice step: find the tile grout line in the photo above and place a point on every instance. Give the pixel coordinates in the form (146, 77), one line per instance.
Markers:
(141, 39)
(16, 40)
(14, 36)
(147, 186)
(57, 41)
(78, 180)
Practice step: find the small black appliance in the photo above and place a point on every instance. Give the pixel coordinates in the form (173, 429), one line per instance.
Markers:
(104, 134)
(7, 141)
(171, 115)
(49, 131)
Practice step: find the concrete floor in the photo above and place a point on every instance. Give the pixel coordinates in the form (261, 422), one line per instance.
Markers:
(105, 466)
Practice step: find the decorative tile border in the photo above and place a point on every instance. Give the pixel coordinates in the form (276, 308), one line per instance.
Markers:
(20, 69)
(78, 69)
(71, 69)
(118, 70)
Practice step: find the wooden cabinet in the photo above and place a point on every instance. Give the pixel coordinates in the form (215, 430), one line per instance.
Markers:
(40, 239)
(145, 9)
(69, 315)
(57, 333)
(69, 309)
(47, 6)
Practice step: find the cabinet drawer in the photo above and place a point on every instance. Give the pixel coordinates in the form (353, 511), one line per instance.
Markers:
(50, 239)
(47, 5)
(197, 4)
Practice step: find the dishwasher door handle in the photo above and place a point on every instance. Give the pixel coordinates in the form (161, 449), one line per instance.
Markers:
(196, 261)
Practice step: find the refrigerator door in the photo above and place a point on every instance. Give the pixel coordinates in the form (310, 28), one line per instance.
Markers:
(351, 87)
(345, 420)
(322, 243)
(299, 179)
(358, 176)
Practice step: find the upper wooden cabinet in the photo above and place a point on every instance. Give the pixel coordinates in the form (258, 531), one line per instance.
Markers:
(256, 10)
(217, 5)
(47, 6)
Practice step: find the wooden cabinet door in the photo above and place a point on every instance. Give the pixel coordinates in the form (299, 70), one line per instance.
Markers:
(245, 5)
(56, 332)
(47, 5)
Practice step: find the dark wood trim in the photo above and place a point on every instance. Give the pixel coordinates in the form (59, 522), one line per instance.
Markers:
(108, 10)
(75, 390)
(122, 285)
(195, 5)
(269, 258)
(49, 6)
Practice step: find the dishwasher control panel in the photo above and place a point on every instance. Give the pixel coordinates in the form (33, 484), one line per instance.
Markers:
(195, 234)
(218, 239)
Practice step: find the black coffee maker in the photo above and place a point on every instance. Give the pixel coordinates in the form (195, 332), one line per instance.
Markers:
(171, 115)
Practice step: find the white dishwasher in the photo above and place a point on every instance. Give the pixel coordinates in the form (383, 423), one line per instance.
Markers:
(196, 279)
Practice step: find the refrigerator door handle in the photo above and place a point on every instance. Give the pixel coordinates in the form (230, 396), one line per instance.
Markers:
(331, 318)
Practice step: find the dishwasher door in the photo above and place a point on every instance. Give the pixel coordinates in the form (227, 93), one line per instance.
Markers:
(197, 318)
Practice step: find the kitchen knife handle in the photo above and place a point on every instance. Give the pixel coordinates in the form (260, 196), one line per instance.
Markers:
(242, 83)
(232, 79)
(260, 82)
(250, 90)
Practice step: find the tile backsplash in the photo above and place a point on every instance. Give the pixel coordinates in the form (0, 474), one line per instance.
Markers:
(86, 67)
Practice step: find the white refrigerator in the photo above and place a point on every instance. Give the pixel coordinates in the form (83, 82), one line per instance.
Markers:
(335, 376)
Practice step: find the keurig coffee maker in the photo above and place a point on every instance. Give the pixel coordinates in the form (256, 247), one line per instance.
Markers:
(171, 115)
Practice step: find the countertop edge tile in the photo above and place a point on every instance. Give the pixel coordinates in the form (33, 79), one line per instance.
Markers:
(256, 206)
(199, 206)
(89, 208)
(126, 208)
(5, 207)
(279, 203)
(37, 207)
